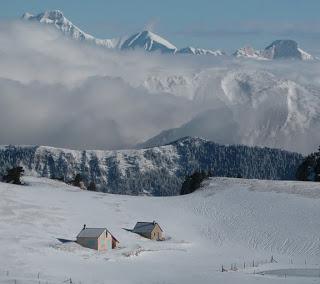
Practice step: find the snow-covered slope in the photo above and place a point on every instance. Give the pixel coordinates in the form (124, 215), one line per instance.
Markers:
(148, 41)
(56, 18)
(229, 221)
(154, 171)
(200, 51)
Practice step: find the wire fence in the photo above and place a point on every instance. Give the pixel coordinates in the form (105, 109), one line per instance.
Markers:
(10, 277)
(254, 264)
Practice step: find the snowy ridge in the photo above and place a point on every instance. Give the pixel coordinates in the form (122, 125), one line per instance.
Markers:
(156, 171)
(56, 18)
(200, 51)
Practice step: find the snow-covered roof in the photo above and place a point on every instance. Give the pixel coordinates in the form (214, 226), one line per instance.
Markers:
(91, 232)
(145, 227)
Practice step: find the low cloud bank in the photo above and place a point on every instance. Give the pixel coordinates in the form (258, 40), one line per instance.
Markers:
(58, 92)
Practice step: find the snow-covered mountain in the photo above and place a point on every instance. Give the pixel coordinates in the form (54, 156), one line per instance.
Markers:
(58, 20)
(200, 51)
(148, 41)
(285, 49)
(154, 171)
(247, 107)
(278, 49)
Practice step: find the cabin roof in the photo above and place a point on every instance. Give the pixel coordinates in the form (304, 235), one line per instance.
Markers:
(91, 232)
(145, 227)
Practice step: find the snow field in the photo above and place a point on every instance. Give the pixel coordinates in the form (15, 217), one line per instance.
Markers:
(228, 221)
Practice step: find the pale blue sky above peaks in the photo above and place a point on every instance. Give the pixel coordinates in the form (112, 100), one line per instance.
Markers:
(223, 24)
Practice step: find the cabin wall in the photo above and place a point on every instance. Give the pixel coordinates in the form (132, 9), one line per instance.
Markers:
(91, 243)
(102, 244)
(156, 233)
(109, 242)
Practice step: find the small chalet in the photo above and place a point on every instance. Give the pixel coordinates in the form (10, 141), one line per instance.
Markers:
(97, 238)
(150, 230)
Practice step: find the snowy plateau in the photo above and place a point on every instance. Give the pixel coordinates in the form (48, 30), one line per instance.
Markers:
(228, 222)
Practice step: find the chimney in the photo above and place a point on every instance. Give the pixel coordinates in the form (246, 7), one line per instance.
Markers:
(84, 226)
(154, 222)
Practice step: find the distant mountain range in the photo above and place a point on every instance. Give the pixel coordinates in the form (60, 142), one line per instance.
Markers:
(149, 41)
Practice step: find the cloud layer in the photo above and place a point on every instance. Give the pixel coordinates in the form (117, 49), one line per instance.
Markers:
(58, 92)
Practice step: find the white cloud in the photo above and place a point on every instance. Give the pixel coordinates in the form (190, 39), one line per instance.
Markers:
(55, 91)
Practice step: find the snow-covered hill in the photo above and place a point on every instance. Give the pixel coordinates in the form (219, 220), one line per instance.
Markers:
(229, 221)
(154, 171)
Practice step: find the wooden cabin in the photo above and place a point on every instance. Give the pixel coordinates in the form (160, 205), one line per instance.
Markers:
(97, 238)
(150, 230)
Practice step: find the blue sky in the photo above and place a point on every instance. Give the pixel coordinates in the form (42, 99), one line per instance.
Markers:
(225, 24)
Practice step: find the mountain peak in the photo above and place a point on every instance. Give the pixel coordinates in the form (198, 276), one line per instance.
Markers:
(148, 41)
(285, 49)
(53, 14)
(59, 21)
(46, 16)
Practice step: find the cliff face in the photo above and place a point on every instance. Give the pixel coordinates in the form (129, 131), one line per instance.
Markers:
(154, 171)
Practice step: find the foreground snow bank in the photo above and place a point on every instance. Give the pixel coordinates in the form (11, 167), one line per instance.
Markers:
(228, 221)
